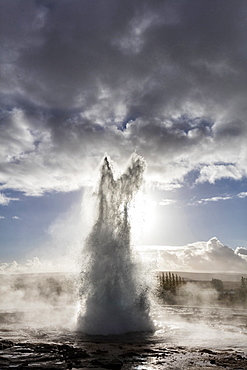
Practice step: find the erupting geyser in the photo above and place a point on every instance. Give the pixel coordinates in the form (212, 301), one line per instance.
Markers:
(115, 298)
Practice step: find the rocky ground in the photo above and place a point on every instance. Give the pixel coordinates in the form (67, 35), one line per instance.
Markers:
(141, 355)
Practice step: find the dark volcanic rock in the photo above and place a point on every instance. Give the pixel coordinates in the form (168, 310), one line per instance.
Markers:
(114, 364)
(6, 344)
(207, 351)
(114, 356)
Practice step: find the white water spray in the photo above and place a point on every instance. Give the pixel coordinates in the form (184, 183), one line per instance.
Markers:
(115, 299)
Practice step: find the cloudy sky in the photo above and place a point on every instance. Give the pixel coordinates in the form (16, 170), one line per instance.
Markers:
(167, 79)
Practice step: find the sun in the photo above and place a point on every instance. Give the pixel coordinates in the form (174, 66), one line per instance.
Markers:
(143, 215)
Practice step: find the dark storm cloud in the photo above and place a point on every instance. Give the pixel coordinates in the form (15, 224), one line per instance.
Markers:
(81, 78)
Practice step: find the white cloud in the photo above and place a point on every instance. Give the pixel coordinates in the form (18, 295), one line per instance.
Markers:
(16, 218)
(242, 195)
(241, 250)
(2, 217)
(212, 173)
(5, 200)
(36, 265)
(167, 202)
(199, 256)
(219, 198)
(212, 199)
(32, 265)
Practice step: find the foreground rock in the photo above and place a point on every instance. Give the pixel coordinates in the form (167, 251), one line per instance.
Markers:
(115, 355)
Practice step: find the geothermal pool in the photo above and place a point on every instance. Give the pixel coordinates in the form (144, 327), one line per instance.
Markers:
(184, 337)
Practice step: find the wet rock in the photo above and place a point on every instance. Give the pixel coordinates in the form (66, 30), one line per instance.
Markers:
(72, 352)
(114, 356)
(5, 344)
(113, 365)
(129, 354)
(207, 351)
(99, 352)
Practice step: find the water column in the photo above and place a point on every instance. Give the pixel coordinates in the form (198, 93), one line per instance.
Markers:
(115, 299)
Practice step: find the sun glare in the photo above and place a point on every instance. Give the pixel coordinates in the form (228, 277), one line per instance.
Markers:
(143, 214)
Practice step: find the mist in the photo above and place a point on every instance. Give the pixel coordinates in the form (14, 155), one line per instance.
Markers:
(38, 300)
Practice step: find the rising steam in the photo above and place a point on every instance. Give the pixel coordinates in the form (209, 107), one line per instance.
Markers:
(115, 300)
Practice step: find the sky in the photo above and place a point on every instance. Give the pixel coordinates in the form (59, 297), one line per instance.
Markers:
(165, 79)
